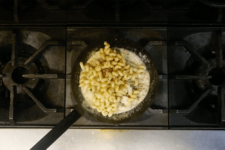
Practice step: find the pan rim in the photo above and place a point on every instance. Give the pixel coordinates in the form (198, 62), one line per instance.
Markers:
(142, 106)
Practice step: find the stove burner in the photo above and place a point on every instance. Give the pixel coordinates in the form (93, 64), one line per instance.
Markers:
(206, 75)
(17, 75)
(25, 80)
(13, 75)
(218, 76)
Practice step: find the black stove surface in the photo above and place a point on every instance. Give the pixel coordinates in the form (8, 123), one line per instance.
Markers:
(194, 11)
(29, 58)
(153, 40)
(117, 11)
(41, 39)
(111, 11)
(196, 71)
(33, 11)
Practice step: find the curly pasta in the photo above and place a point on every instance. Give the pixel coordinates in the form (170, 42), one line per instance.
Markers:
(108, 79)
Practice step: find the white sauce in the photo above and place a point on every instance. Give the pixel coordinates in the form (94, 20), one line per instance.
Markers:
(143, 82)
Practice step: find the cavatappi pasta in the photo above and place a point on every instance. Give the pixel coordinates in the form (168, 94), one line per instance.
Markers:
(108, 78)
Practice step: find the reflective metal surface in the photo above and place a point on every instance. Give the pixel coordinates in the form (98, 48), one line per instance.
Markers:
(76, 139)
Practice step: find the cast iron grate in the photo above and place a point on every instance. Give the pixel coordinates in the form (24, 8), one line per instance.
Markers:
(209, 76)
(21, 75)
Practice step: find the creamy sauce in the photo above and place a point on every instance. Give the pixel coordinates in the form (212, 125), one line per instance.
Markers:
(143, 80)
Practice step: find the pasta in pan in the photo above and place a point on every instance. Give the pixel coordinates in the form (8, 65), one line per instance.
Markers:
(110, 81)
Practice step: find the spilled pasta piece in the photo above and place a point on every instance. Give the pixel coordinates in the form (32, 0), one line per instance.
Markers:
(108, 78)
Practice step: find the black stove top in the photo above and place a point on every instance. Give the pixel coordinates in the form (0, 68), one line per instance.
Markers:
(157, 114)
(111, 11)
(195, 11)
(33, 11)
(29, 63)
(196, 70)
(41, 39)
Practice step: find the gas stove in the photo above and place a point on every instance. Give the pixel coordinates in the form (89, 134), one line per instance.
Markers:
(157, 115)
(114, 11)
(41, 39)
(196, 11)
(196, 83)
(32, 82)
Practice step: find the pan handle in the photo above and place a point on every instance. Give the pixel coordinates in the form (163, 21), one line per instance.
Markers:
(57, 131)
